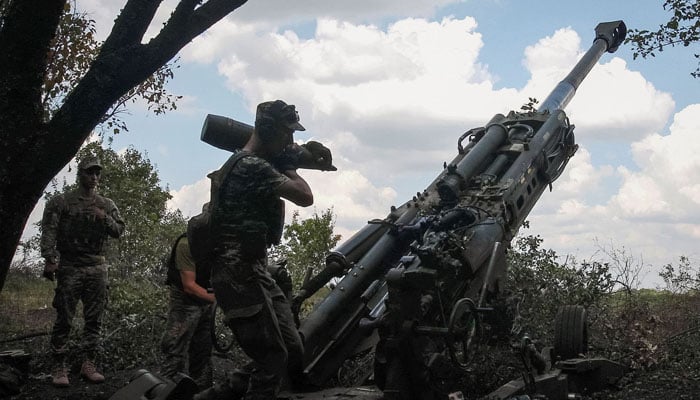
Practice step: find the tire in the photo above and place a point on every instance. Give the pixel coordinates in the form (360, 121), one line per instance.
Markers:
(570, 332)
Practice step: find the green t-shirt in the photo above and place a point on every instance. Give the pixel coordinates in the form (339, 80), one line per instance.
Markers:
(183, 257)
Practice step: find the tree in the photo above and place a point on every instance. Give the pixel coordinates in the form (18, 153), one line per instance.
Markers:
(307, 243)
(683, 28)
(71, 53)
(35, 147)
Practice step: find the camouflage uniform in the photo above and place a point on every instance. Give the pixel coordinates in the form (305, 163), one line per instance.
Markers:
(246, 218)
(73, 237)
(187, 337)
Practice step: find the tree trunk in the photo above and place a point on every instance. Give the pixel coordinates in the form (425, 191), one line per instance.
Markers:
(27, 29)
(33, 151)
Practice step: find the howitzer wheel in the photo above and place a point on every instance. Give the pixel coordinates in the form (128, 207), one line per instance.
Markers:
(221, 336)
(463, 331)
(570, 332)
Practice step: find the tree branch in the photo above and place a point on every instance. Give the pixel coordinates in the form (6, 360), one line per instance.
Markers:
(131, 24)
(186, 22)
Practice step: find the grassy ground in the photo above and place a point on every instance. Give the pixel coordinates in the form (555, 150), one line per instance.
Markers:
(25, 306)
(655, 333)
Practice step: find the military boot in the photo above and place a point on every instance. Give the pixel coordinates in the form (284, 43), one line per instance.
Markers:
(89, 372)
(59, 376)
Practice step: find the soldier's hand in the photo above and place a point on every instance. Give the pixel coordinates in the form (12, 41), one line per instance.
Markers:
(317, 156)
(289, 159)
(98, 213)
(50, 269)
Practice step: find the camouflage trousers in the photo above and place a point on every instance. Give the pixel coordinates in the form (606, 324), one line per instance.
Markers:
(88, 285)
(186, 343)
(261, 319)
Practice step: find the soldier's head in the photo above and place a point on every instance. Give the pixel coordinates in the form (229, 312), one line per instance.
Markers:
(276, 121)
(89, 170)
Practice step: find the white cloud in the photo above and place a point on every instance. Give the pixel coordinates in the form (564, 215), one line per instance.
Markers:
(612, 102)
(190, 198)
(280, 11)
(667, 181)
(653, 212)
(391, 100)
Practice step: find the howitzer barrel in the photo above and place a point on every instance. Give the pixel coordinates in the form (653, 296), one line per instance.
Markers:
(340, 260)
(451, 184)
(609, 35)
(370, 267)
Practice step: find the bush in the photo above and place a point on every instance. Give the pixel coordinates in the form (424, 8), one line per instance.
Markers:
(134, 323)
(541, 284)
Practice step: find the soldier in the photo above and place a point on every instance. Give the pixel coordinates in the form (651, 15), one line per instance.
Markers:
(247, 217)
(187, 337)
(75, 227)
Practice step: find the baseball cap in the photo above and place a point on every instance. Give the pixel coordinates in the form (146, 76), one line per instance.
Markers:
(88, 163)
(281, 112)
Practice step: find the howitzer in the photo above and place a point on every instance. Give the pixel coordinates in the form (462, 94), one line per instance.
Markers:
(415, 286)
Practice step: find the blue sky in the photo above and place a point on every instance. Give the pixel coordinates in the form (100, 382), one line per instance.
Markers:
(389, 86)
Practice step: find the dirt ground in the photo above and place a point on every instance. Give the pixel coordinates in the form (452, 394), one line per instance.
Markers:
(675, 380)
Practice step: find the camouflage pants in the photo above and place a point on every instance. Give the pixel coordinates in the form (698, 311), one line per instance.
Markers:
(187, 340)
(260, 318)
(88, 285)
(271, 339)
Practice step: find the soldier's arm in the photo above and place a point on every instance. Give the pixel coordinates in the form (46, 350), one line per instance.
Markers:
(49, 230)
(113, 220)
(188, 272)
(296, 189)
(190, 286)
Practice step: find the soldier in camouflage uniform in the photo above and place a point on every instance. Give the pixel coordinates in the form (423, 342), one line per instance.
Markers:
(75, 227)
(247, 217)
(187, 337)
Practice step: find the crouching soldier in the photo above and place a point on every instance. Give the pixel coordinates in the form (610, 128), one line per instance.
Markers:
(186, 342)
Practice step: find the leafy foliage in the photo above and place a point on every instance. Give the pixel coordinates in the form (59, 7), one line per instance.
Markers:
(73, 50)
(683, 28)
(681, 278)
(133, 183)
(307, 243)
(134, 324)
(542, 284)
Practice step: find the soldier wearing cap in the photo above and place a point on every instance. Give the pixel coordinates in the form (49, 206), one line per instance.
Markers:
(74, 229)
(247, 215)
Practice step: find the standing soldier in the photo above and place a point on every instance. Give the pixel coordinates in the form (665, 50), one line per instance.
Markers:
(75, 227)
(247, 217)
(187, 337)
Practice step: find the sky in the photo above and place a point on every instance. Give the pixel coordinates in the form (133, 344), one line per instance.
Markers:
(390, 86)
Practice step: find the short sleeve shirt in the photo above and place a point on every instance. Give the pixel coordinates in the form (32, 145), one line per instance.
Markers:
(183, 257)
(248, 197)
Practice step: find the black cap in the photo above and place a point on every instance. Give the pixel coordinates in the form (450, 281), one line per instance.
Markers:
(281, 112)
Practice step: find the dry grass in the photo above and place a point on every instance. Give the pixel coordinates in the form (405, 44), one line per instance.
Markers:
(25, 306)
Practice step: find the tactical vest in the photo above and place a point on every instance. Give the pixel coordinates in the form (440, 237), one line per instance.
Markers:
(80, 235)
(270, 224)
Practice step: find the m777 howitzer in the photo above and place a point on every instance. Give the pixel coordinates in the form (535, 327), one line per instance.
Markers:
(416, 285)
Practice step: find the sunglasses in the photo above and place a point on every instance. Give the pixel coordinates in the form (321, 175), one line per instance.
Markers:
(92, 171)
